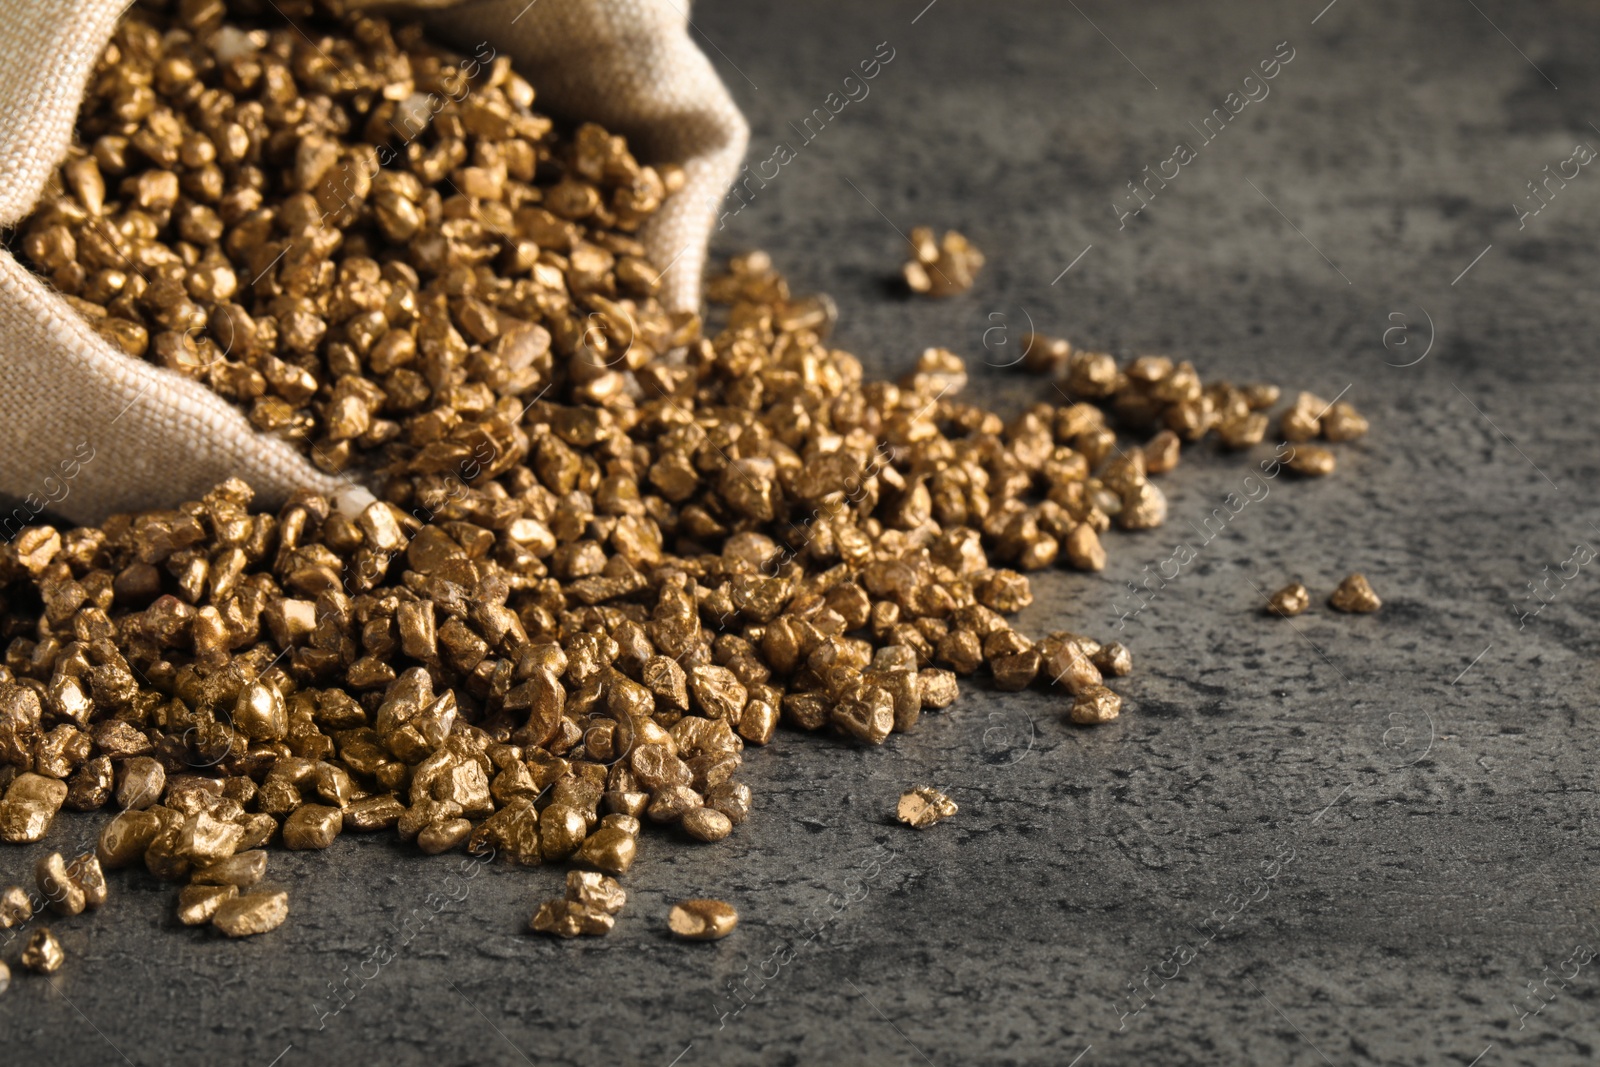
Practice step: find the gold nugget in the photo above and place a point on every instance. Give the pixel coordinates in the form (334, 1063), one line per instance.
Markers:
(251, 913)
(1312, 461)
(15, 907)
(64, 895)
(43, 953)
(595, 890)
(589, 908)
(942, 267)
(198, 904)
(1343, 423)
(924, 806)
(1289, 601)
(1095, 704)
(702, 919)
(570, 918)
(1355, 595)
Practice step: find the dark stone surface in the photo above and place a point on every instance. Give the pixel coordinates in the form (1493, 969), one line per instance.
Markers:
(1425, 775)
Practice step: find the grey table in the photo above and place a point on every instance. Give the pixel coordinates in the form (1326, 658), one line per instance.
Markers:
(1341, 840)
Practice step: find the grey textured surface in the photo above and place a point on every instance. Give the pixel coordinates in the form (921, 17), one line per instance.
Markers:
(1424, 777)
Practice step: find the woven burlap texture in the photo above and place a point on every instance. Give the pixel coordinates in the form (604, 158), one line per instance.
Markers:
(86, 431)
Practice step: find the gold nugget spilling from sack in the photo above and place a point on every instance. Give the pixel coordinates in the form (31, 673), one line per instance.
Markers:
(376, 248)
(594, 575)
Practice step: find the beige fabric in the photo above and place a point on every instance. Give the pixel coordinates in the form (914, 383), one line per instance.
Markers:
(153, 438)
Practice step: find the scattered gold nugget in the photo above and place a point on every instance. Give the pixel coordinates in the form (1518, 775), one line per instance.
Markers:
(1045, 355)
(251, 913)
(589, 908)
(87, 875)
(1303, 420)
(312, 826)
(1095, 704)
(1291, 600)
(1312, 461)
(444, 835)
(15, 907)
(706, 824)
(126, 837)
(1113, 660)
(30, 806)
(43, 953)
(57, 887)
(198, 904)
(595, 890)
(559, 529)
(1259, 395)
(924, 806)
(702, 919)
(569, 918)
(1355, 595)
(241, 871)
(1161, 452)
(609, 849)
(941, 267)
(1343, 423)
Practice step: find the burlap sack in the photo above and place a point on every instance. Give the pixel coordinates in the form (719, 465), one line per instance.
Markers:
(86, 431)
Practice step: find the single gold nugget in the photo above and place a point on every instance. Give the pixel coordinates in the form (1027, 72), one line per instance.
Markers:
(444, 835)
(702, 919)
(1355, 595)
(608, 849)
(43, 954)
(1095, 705)
(1084, 551)
(1045, 355)
(1162, 451)
(1303, 420)
(1113, 660)
(57, 887)
(597, 891)
(312, 826)
(90, 878)
(924, 806)
(589, 908)
(941, 267)
(242, 871)
(1312, 461)
(706, 824)
(571, 918)
(15, 907)
(125, 838)
(252, 913)
(1343, 423)
(29, 806)
(1243, 431)
(198, 904)
(1289, 601)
